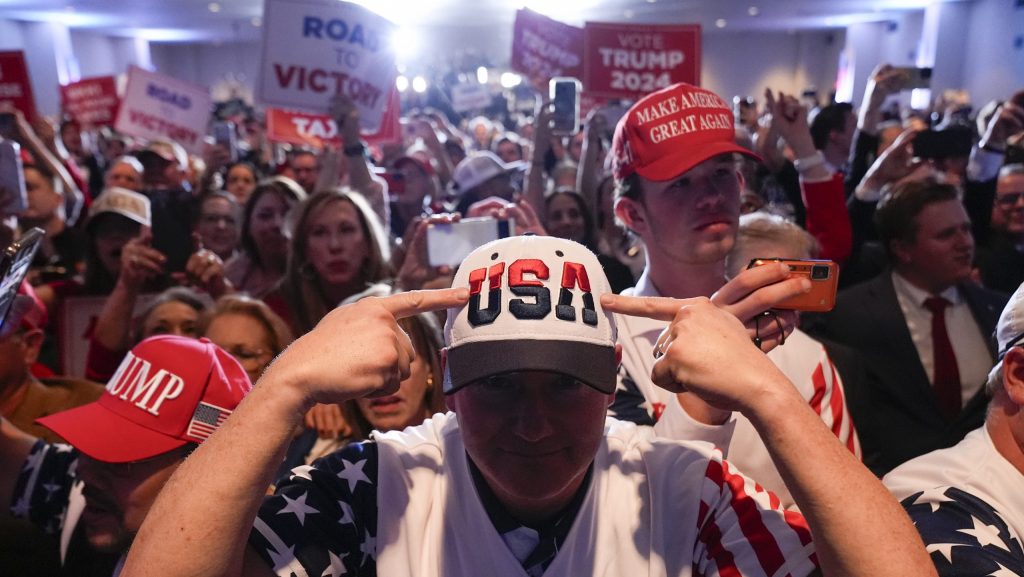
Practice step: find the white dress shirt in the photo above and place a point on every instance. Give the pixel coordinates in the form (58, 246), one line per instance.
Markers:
(973, 358)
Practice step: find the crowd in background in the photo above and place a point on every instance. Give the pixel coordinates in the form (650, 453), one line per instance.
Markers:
(251, 247)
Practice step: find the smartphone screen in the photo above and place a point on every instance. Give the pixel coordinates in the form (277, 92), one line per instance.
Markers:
(224, 135)
(565, 102)
(13, 198)
(14, 267)
(449, 244)
(8, 126)
(916, 77)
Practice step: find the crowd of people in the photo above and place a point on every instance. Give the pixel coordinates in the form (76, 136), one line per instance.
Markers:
(667, 414)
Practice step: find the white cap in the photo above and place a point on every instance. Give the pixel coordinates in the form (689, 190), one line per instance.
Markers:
(534, 306)
(127, 203)
(478, 168)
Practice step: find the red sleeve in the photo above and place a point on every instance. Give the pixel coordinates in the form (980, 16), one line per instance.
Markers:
(100, 362)
(827, 218)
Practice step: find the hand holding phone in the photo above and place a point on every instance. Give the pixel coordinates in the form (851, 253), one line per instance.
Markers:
(824, 277)
(14, 264)
(914, 78)
(564, 93)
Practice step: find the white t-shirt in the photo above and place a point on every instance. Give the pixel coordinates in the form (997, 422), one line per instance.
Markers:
(802, 359)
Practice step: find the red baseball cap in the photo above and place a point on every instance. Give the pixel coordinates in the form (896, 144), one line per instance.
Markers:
(670, 131)
(168, 391)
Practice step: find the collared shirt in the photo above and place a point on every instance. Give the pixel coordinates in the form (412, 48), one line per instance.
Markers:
(973, 358)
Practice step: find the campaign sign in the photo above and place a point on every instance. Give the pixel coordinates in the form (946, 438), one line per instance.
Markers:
(543, 48)
(15, 87)
(92, 101)
(160, 107)
(75, 326)
(318, 130)
(470, 96)
(313, 49)
(628, 61)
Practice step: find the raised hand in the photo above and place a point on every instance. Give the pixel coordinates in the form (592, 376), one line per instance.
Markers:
(357, 350)
(140, 262)
(205, 270)
(705, 350)
(416, 271)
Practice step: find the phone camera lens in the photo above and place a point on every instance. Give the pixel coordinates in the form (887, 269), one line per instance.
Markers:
(819, 272)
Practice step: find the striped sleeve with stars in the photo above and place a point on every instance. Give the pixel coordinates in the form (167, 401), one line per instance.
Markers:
(964, 534)
(43, 485)
(322, 520)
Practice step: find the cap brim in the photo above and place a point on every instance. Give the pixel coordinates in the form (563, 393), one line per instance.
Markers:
(591, 363)
(129, 215)
(675, 165)
(106, 436)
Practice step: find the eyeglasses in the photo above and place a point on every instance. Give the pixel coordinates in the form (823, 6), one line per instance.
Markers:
(1008, 200)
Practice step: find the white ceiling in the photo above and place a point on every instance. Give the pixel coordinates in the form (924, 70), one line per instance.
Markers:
(239, 20)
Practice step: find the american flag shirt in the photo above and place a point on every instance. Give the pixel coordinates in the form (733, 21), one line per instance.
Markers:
(44, 484)
(968, 505)
(692, 514)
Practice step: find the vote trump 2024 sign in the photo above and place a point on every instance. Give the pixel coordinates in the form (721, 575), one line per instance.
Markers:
(314, 49)
(628, 61)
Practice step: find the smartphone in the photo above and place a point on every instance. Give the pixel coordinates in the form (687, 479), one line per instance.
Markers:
(564, 93)
(8, 126)
(449, 244)
(824, 277)
(224, 134)
(13, 198)
(14, 263)
(916, 77)
(951, 142)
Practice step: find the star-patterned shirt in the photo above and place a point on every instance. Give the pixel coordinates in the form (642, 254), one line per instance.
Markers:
(43, 485)
(322, 520)
(967, 504)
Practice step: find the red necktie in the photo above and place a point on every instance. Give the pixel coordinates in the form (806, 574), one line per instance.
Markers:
(947, 376)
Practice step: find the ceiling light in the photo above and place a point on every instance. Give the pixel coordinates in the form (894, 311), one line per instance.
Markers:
(481, 75)
(256, 21)
(419, 84)
(401, 83)
(720, 23)
(753, 10)
(214, 7)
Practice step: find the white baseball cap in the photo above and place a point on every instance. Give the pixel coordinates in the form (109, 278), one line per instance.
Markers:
(478, 168)
(1010, 328)
(534, 306)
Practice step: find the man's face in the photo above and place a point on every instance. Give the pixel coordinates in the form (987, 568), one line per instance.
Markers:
(509, 151)
(941, 252)
(690, 219)
(118, 497)
(1009, 204)
(306, 169)
(532, 434)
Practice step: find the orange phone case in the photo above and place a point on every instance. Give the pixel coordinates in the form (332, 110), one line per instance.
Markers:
(824, 277)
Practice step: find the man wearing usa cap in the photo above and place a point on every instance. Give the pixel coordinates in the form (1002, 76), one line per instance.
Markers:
(966, 500)
(527, 476)
(678, 188)
(167, 396)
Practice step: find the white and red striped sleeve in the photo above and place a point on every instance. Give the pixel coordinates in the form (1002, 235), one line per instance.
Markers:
(829, 402)
(742, 529)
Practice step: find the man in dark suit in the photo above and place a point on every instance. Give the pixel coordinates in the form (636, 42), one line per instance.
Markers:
(922, 329)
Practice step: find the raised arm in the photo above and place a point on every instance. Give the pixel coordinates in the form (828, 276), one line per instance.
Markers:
(182, 534)
(858, 527)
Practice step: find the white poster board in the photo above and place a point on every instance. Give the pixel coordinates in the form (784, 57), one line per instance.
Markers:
(470, 96)
(156, 106)
(313, 49)
(76, 326)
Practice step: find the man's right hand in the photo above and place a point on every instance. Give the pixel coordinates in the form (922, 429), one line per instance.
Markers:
(140, 261)
(357, 350)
